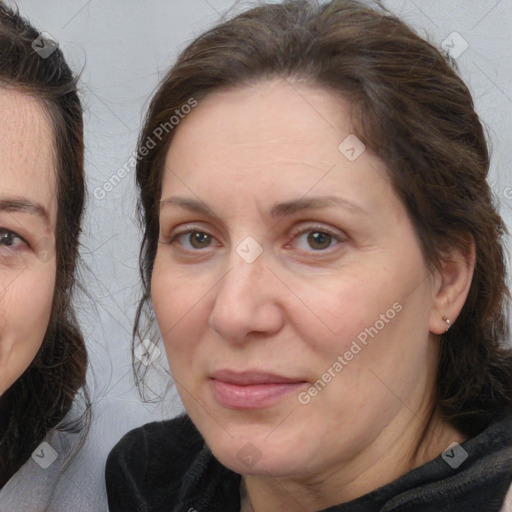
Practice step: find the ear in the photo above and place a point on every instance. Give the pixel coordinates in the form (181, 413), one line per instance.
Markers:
(452, 287)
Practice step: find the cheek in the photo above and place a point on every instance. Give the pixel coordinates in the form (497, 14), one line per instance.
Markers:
(361, 325)
(375, 340)
(179, 311)
(337, 310)
(25, 309)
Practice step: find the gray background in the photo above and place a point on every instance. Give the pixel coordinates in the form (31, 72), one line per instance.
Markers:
(123, 48)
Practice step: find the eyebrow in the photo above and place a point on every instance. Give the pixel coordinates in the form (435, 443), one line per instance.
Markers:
(22, 205)
(310, 203)
(279, 210)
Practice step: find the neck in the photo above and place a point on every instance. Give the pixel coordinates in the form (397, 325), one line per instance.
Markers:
(388, 458)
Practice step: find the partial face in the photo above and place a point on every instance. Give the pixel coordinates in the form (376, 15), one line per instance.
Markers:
(28, 212)
(289, 286)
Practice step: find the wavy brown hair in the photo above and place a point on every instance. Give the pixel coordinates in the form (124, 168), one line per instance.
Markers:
(41, 398)
(413, 110)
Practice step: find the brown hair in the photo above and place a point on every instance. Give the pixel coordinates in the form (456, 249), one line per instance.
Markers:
(411, 109)
(40, 399)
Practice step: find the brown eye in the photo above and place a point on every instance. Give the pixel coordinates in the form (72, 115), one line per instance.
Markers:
(318, 240)
(199, 240)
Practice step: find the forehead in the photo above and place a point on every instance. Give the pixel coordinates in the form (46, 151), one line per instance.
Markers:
(27, 162)
(273, 138)
(268, 113)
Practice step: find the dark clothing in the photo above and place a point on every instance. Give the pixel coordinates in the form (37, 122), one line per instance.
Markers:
(166, 466)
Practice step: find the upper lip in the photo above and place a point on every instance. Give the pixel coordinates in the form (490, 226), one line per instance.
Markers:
(252, 377)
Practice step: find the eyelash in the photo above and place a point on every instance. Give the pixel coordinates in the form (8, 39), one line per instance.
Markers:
(296, 233)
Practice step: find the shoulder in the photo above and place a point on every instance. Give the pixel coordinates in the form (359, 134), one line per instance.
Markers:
(159, 436)
(146, 466)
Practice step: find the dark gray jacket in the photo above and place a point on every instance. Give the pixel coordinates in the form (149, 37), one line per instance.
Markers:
(166, 466)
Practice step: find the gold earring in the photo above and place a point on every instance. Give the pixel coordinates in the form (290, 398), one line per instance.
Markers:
(447, 320)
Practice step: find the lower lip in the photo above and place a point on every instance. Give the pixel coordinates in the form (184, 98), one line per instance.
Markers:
(253, 396)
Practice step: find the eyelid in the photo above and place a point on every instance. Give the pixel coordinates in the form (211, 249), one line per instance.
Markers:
(312, 226)
(185, 228)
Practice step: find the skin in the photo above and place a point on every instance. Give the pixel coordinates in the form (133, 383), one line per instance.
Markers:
(296, 308)
(28, 212)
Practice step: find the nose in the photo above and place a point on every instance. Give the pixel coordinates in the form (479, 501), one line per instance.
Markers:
(247, 302)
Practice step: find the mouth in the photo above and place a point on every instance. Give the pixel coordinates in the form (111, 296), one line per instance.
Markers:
(252, 389)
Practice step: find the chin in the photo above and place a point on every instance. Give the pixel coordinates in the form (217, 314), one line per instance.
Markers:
(258, 454)
(249, 460)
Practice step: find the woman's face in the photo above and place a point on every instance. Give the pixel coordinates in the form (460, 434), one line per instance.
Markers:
(288, 284)
(28, 211)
